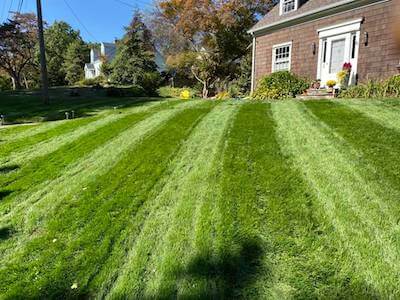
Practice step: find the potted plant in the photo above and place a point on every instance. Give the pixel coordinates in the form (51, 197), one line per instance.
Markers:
(343, 76)
(330, 84)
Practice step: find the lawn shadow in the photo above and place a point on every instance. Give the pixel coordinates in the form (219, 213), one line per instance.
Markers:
(4, 194)
(8, 169)
(229, 275)
(5, 233)
(26, 106)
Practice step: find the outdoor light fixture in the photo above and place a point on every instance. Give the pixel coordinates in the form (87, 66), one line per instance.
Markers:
(314, 48)
(366, 38)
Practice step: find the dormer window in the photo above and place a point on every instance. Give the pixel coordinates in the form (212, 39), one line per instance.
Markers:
(287, 6)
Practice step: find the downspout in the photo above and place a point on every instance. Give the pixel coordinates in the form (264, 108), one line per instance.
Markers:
(253, 65)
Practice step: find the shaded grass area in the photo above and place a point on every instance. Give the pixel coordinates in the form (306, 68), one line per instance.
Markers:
(28, 106)
(89, 228)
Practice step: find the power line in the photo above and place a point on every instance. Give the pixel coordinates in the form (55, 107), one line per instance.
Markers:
(9, 10)
(132, 5)
(79, 21)
(21, 2)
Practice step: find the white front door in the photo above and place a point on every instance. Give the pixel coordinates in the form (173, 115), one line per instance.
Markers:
(337, 52)
(338, 45)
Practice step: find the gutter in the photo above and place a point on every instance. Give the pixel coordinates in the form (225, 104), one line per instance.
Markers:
(332, 9)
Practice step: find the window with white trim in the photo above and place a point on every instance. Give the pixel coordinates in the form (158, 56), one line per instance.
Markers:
(281, 57)
(287, 6)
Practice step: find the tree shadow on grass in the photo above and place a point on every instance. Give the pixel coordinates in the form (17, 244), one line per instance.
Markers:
(5, 233)
(4, 194)
(8, 169)
(229, 276)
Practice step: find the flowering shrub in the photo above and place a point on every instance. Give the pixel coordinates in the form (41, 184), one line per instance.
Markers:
(280, 85)
(185, 95)
(347, 67)
(343, 76)
(331, 83)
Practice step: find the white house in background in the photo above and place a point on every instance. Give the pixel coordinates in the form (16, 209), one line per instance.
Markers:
(107, 51)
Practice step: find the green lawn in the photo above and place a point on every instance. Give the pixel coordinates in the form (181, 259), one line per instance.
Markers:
(201, 199)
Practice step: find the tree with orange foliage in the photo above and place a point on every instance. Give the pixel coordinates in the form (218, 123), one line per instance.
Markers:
(207, 37)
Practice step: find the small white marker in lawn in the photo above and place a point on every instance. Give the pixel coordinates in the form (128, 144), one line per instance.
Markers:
(55, 240)
(74, 286)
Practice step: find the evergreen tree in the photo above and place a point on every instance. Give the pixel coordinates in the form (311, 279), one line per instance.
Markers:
(58, 38)
(135, 57)
(75, 58)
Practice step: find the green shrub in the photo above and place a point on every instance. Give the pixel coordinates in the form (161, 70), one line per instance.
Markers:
(98, 81)
(131, 91)
(393, 84)
(150, 83)
(170, 92)
(223, 95)
(374, 89)
(280, 85)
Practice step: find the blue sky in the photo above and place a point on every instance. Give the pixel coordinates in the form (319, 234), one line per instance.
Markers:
(103, 19)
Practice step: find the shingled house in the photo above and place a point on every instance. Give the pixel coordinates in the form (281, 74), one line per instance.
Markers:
(314, 38)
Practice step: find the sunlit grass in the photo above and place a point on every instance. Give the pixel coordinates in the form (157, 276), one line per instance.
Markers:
(203, 199)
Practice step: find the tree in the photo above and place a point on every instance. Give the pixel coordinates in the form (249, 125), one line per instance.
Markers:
(135, 54)
(17, 46)
(75, 58)
(59, 36)
(214, 29)
(106, 68)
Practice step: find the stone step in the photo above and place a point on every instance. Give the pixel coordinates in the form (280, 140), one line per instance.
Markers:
(315, 97)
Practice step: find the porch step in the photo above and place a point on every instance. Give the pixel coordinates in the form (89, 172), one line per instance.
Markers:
(315, 94)
(315, 97)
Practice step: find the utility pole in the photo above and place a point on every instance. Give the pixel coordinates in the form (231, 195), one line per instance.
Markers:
(43, 66)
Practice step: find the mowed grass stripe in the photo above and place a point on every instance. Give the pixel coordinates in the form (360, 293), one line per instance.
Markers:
(349, 201)
(196, 190)
(31, 211)
(377, 111)
(22, 150)
(50, 166)
(190, 168)
(377, 147)
(87, 229)
(16, 130)
(270, 240)
(10, 149)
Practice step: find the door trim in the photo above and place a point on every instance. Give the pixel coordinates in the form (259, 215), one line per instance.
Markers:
(349, 27)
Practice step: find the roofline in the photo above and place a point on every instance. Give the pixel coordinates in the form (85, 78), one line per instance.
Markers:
(328, 10)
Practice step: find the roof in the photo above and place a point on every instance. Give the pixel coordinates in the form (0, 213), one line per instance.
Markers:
(308, 10)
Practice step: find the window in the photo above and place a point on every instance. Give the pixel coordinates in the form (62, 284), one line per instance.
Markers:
(288, 6)
(353, 45)
(281, 57)
(324, 50)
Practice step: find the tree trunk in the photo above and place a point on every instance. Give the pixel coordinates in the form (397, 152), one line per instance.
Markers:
(26, 82)
(205, 90)
(16, 82)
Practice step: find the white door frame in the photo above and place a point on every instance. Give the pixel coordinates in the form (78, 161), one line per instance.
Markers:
(350, 31)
